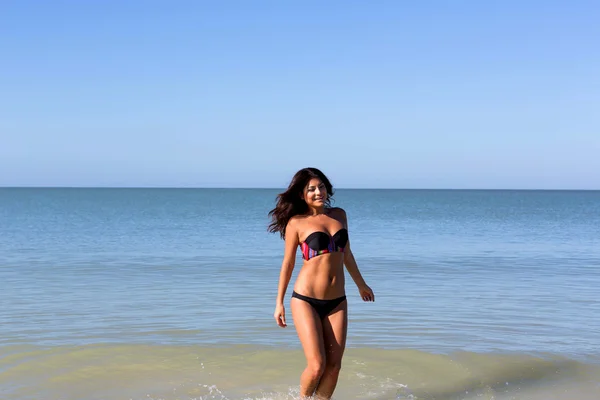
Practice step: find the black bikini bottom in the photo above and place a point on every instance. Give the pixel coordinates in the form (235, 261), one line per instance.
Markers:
(322, 307)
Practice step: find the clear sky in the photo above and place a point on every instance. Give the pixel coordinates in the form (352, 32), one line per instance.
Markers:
(421, 94)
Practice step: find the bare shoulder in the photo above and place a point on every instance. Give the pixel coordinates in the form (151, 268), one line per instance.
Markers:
(339, 213)
(291, 230)
(293, 222)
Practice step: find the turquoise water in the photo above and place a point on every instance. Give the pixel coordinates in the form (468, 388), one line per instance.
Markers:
(468, 270)
(487, 272)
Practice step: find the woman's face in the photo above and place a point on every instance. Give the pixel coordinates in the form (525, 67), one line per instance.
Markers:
(315, 193)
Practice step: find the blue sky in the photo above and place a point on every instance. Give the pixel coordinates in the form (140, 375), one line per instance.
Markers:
(427, 94)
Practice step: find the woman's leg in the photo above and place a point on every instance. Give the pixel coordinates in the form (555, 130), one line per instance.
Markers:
(335, 327)
(310, 331)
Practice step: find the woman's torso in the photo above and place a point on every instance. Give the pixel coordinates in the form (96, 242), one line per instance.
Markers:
(322, 275)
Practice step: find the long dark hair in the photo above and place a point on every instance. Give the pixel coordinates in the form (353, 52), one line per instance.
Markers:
(291, 202)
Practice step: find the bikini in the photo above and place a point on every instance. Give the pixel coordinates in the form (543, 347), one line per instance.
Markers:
(316, 244)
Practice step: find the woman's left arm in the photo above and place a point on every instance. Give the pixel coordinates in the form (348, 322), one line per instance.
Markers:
(350, 262)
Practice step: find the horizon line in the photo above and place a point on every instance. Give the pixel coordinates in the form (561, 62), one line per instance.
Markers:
(283, 188)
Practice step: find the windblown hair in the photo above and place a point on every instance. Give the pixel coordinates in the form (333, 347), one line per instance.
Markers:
(291, 202)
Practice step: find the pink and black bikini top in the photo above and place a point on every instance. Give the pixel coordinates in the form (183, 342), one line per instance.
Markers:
(318, 243)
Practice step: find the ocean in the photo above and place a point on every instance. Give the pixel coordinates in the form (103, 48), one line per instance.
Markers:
(169, 294)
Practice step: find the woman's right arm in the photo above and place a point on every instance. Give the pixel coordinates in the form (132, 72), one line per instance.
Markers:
(287, 267)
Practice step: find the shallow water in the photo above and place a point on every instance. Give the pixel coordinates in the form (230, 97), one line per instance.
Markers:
(253, 372)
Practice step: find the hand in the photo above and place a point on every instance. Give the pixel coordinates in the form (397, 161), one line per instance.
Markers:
(366, 293)
(280, 315)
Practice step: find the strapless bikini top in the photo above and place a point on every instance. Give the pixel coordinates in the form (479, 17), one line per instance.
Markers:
(318, 243)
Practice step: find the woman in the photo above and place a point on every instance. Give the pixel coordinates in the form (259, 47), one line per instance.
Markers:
(304, 218)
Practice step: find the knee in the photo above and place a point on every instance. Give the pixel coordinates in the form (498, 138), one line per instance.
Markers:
(333, 367)
(315, 369)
